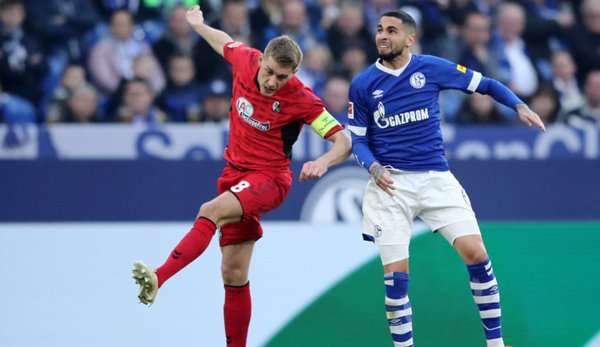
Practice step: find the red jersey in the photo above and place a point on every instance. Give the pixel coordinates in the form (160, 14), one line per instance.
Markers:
(262, 129)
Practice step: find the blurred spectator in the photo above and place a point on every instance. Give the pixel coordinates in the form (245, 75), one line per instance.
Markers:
(234, 21)
(432, 21)
(62, 24)
(294, 23)
(148, 15)
(350, 29)
(545, 103)
(479, 109)
(182, 96)
(373, 9)
(148, 10)
(144, 67)
(14, 109)
(216, 103)
(584, 39)
(545, 24)
(474, 51)
(112, 58)
(336, 98)
(353, 60)
(315, 66)
(266, 14)
(459, 9)
(178, 39)
(520, 73)
(138, 104)
(148, 68)
(564, 81)
(73, 76)
(81, 106)
(22, 64)
(590, 111)
(323, 13)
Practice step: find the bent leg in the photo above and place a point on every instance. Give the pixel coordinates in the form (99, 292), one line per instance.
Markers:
(237, 309)
(223, 209)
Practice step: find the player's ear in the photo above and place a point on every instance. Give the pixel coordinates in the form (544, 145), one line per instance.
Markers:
(412, 38)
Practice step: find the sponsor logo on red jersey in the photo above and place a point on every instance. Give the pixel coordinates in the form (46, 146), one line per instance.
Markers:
(245, 110)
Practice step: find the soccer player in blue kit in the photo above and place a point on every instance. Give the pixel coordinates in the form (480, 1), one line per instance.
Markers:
(394, 119)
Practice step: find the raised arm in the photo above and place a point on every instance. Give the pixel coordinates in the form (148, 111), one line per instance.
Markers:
(215, 38)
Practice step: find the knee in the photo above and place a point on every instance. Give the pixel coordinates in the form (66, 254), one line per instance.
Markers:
(209, 210)
(475, 255)
(233, 275)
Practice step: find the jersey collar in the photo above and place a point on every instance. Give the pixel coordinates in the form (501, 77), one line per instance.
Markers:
(396, 72)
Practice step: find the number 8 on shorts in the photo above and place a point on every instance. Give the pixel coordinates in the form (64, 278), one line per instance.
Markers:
(240, 186)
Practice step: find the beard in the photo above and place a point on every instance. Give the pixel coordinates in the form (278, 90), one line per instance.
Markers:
(390, 56)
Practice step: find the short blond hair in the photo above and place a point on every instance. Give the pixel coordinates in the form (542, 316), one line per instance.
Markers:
(285, 51)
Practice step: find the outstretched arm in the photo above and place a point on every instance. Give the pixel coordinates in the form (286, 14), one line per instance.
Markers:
(505, 96)
(454, 76)
(215, 38)
(337, 154)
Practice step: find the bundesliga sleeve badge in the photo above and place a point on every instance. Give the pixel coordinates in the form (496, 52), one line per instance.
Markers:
(350, 110)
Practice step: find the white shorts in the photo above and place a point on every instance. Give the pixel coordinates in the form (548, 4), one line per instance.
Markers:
(436, 197)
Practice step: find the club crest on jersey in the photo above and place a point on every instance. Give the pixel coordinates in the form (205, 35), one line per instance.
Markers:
(276, 106)
(245, 110)
(378, 231)
(377, 94)
(417, 80)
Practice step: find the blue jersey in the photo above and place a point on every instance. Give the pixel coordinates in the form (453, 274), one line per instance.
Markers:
(397, 115)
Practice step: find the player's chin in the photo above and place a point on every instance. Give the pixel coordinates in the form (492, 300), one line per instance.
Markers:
(268, 92)
(384, 50)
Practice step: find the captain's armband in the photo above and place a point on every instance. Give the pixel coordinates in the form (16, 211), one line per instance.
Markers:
(324, 123)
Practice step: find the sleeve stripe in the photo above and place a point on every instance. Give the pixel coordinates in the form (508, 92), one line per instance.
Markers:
(475, 80)
(359, 131)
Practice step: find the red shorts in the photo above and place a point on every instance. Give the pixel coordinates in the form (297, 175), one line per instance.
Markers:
(258, 192)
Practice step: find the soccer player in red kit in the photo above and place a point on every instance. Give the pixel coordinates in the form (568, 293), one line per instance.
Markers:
(269, 107)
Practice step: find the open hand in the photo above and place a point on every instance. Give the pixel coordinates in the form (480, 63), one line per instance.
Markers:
(194, 16)
(527, 116)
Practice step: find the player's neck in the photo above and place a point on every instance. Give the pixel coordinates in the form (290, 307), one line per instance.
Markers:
(398, 62)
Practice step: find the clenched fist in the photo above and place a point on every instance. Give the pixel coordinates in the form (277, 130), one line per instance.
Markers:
(194, 16)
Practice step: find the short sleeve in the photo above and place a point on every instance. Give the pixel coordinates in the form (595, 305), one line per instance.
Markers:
(358, 119)
(237, 53)
(455, 76)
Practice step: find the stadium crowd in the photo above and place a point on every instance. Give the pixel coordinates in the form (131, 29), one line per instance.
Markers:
(79, 61)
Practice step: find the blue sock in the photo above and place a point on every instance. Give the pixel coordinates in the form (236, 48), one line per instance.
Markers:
(397, 307)
(484, 288)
